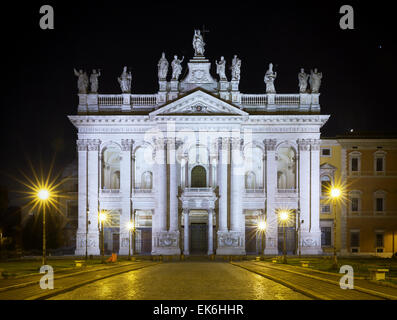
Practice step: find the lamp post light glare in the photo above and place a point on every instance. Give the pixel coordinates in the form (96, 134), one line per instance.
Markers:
(262, 230)
(262, 225)
(335, 194)
(43, 195)
(102, 219)
(284, 217)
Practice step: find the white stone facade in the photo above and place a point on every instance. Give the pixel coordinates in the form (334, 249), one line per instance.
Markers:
(198, 151)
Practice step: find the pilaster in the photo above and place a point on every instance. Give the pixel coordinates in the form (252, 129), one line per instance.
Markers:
(125, 188)
(271, 187)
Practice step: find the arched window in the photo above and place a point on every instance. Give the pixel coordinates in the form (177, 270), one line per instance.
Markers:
(111, 167)
(250, 181)
(286, 168)
(198, 177)
(253, 164)
(143, 176)
(146, 181)
(325, 185)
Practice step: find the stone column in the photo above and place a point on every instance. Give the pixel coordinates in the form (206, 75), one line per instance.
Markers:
(271, 188)
(93, 190)
(223, 150)
(172, 146)
(315, 232)
(161, 184)
(214, 171)
(82, 198)
(186, 232)
(186, 171)
(305, 167)
(236, 181)
(210, 231)
(125, 188)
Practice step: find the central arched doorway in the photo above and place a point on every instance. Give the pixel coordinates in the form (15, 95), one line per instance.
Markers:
(198, 177)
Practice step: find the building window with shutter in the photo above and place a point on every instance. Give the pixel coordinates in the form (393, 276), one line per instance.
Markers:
(326, 236)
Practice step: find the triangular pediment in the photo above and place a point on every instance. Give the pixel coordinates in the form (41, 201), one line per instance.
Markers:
(327, 166)
(198, 103)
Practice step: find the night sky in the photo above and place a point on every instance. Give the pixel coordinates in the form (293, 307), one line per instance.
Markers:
(359, 69)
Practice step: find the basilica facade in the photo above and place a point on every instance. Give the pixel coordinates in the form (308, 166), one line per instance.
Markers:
(199, 165)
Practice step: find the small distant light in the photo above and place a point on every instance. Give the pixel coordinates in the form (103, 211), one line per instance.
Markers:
(351, 130)
(380, 47)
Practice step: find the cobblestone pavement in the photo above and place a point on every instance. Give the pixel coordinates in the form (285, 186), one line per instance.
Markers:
(185, 281)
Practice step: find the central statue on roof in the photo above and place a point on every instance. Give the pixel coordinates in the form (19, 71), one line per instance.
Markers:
(198, 43)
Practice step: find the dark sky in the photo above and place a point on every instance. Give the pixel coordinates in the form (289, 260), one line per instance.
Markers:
(359, 69)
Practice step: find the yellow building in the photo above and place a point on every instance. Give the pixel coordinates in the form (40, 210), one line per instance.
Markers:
(366, 221)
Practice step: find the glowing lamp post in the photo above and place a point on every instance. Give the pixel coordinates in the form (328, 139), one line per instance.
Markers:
(43, 195)
(335, 194)
(262, 228)
(102, 218)
(284, 216)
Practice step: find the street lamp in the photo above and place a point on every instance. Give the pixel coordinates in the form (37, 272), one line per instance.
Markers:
(335, 194)
(262, 229)
(102, 218)
(130, 227)
(284, 216)
(43, 195)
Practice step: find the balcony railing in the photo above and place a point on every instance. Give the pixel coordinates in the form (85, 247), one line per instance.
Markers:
(284, 191)
(287, 99)
(198, 190)
(110, 100)
(143, 100)
(138, 188)
(110, 191)
(254, 99)
(256, 190)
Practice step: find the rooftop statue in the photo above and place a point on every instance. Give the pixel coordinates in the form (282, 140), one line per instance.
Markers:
(270, 76)
(94, 80)
(303, 77)
(125, 81)
(236, 65)
(198, 43)
(176, 67)
(163, 67)
(220, 68)
(315, 80)
(82, 81)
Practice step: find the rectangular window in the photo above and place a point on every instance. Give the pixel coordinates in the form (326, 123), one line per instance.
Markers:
(379, 164)
(325, 236)
(354, 204)
(355, 164)
(326, 208)
(379, 204)
(379, 240)
(326, 152)
(354, 239)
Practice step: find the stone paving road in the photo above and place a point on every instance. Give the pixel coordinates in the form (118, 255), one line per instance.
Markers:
(184, 281)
